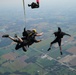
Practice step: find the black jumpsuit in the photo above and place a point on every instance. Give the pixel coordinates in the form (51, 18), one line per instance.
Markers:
(59, 36)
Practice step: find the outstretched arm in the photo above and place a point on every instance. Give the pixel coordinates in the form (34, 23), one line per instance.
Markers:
(37, 41)
(39, 34)
(67, 34)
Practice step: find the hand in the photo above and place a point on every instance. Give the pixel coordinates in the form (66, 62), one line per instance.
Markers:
(40, 40)
(42, 33)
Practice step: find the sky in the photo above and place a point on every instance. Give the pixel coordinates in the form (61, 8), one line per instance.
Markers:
(17, 5)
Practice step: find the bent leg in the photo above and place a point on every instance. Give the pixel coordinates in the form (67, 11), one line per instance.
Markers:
(15, 39)
(19, 39)
(52, 43)
(22, 44)
(24, 49)
(18, 46)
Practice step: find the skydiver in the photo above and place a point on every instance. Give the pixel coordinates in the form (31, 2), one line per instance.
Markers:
(59, 35)
(29, 38)
(23, 42)
(34, 5)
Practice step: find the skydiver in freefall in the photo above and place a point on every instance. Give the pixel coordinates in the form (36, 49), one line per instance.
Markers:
(29, 37)
(23, 42)
(34, 5)
(59, 35)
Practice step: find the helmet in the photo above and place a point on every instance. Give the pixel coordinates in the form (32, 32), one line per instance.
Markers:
(34, 30)
(59, 29)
